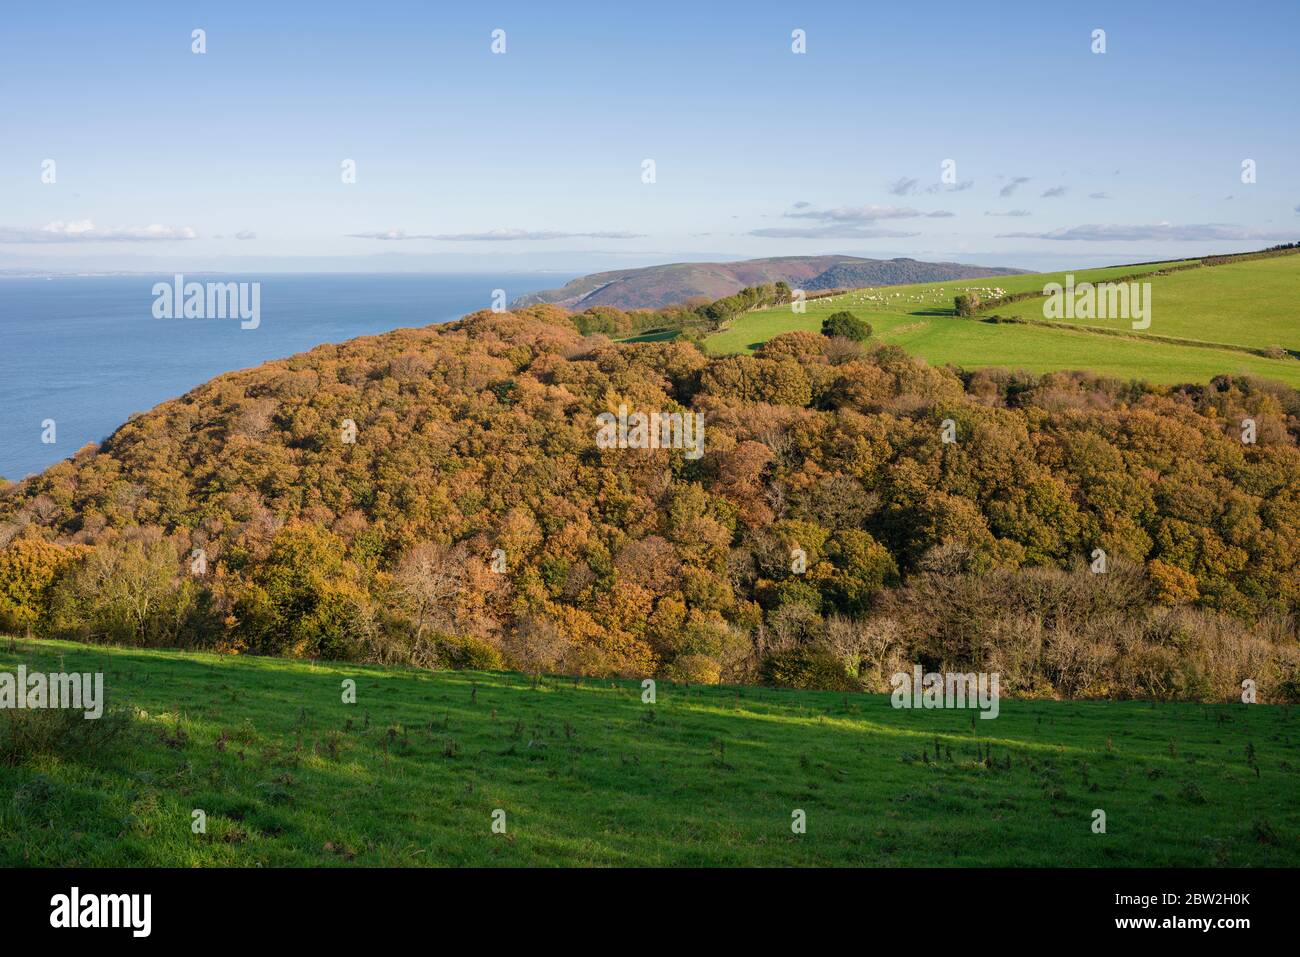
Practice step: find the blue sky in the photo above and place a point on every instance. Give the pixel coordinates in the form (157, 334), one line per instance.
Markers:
(1063, 157)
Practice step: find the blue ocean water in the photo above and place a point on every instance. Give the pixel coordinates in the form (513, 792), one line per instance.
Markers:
(87, 352)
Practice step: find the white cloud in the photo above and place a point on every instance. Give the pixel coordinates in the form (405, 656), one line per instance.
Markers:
(245, 234)
(832, 231)
(493, 235)
(861, 214)
(85, 231)
(1093, 232)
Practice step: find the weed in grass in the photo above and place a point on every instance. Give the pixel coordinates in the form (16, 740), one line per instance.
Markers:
(1191, 793)
(62, 732)
(34, 795)
(1262, 830)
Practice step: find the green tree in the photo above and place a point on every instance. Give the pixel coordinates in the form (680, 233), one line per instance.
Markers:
(846, 325)
(304, 600)
(130, 593)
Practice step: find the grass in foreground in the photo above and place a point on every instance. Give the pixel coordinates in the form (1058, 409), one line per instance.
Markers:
(589, 775)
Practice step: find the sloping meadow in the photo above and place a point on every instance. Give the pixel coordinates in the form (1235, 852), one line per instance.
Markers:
(243, 762)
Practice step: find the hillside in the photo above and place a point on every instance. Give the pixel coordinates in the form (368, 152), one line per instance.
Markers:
(1250, 303)
(897, 272)
(1205, 322)
(653, 287)
(587, 774)
(442, 497)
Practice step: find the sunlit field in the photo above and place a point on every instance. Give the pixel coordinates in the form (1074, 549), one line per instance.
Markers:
(587, 773)
(1239, 306)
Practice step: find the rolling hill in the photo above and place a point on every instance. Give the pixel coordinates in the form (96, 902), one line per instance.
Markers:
(653, 287)
(1235, 318)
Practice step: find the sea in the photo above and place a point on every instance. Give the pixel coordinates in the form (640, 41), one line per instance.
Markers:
(81, 354)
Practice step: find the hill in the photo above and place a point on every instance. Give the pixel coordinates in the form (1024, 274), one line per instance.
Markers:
(449, 497)
(1249, 303)
(1235, 318)
(654, 287)
(585, 773)
(897, 272)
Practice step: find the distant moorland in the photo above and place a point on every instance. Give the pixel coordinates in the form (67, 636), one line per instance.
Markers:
(654, 287)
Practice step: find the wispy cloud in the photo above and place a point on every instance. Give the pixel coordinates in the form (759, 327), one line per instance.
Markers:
(1099, 195)
(833, 231)
(1009, 212)
(245, 234)
(1011, 187)
(903, 186)
(862, 214)
(1055, 191)
(950, 187)
(493, 235)
(1158, 232)
(847, 222)
(85, 231)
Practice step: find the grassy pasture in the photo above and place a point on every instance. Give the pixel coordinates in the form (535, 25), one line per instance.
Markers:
(589, 775)
(1251, 304)
(1255, 304)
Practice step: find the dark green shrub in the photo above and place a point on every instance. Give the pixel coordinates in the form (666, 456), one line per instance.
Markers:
(807, 666)
(462, 652)
(846, 325)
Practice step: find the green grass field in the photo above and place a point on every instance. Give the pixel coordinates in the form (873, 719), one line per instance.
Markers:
(589, 775)
(1249, 304)
(1255, 304)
